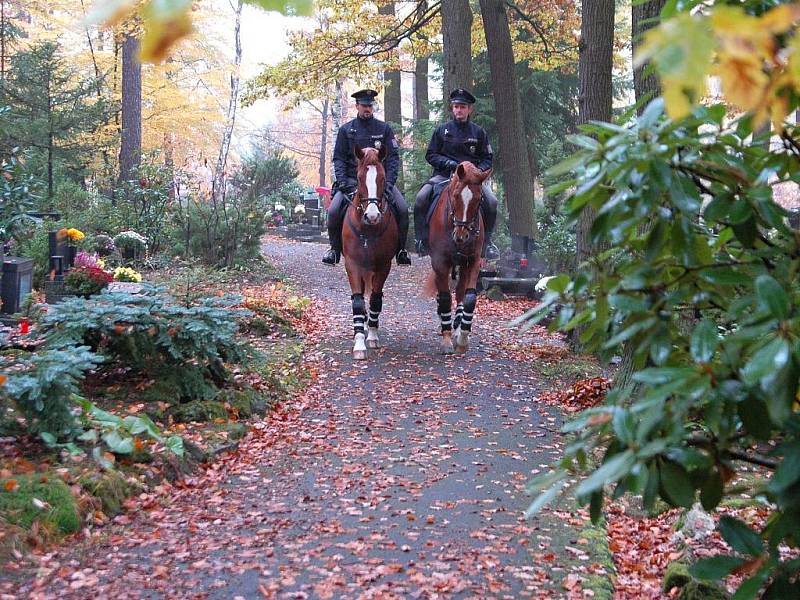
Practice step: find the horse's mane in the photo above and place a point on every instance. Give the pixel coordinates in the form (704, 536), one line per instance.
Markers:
(371, 157)
(472, 175)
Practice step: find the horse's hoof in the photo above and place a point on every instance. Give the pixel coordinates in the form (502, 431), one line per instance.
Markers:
(373, 343)
(459, 349)
(446, 348)
(359, 354)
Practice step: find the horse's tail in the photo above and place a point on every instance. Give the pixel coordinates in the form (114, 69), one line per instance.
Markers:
(429, 289)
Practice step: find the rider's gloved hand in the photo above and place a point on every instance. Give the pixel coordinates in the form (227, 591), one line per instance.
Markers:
(452, 165)
(350, 186)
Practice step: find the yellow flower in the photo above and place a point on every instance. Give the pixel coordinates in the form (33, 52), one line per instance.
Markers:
(75, 235)
(127, 274)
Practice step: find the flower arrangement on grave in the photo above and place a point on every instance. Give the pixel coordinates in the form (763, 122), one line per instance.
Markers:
(130, 240)
(87, 280)
(85, 259)
(72, 235)
(127, 274)
(104, 244)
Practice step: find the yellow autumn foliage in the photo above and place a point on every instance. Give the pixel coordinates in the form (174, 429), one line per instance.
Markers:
(757, 69)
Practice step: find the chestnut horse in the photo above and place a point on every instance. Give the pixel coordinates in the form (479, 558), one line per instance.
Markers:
(369, 243)
(455, 242)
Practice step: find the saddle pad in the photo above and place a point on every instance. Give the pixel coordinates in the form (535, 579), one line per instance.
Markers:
(438, 188)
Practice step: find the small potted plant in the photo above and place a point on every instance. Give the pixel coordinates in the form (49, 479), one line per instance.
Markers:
(130, 244)
(104, 244)
(87, 281)
(127, 274)
(73, 237)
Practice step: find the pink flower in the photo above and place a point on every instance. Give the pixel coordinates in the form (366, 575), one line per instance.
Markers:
(84, 259)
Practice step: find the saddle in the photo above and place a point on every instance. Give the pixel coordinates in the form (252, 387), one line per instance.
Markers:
(438, 188)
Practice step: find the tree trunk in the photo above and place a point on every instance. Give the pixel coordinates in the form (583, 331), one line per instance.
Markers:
(594, 89)
(643, 17)
(130, 153)
(336, 107)
(516, 168)
(392, 105)
(595, 96)
(219, 184)
(323, 144)
(457, 45)
(421, 110)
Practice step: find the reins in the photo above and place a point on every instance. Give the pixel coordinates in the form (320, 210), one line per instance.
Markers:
(364, 237)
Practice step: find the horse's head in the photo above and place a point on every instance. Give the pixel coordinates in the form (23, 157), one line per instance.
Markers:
(465, 194)
(369, 200)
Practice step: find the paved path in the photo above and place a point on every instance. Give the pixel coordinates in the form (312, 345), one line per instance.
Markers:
(401, 476)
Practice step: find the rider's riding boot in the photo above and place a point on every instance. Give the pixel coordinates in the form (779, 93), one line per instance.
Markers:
(402, 257)
(490, 251)
(335, 221)
(331, 257)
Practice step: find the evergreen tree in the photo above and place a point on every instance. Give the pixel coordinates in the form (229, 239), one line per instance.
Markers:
(54, 110)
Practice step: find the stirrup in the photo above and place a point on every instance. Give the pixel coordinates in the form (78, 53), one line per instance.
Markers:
(422, 248)
(331, 257)
(491, 252)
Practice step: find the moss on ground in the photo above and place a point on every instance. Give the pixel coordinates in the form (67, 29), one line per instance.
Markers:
(569, 370)
(602, 584)
(110, 487)
(25, 499)
(198, 410)
(677, 576)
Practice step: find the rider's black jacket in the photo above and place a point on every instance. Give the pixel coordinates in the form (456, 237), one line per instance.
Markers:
(454, 142)
(365, 133)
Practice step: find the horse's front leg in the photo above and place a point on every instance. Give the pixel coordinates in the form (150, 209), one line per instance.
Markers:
(375, 307)
(359, 335)
(444, 308)
(467, 298)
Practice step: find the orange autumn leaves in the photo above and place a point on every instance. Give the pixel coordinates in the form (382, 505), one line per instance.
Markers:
(757, 63)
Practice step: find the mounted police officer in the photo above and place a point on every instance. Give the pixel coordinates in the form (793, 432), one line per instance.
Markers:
(365, 131)
(452, 143)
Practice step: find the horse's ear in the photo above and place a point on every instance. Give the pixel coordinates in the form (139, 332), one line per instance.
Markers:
(382, 152)
(486, 174)
(358, 151)
(461, 171)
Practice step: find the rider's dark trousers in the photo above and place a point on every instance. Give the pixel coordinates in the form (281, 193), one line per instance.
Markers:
(338, 209)
(423, 202)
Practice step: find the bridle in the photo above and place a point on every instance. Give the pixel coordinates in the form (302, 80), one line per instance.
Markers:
(472, 225)
(363, 204)
(359, 204)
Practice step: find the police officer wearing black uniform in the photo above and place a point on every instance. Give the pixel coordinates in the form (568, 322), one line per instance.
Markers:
(452, 143)
(365, 131)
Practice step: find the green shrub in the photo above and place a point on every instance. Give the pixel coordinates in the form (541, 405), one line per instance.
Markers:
(17, 192)
(700, 285)
(41, 386)
(35, 244)
(556, 243)
(151, 333)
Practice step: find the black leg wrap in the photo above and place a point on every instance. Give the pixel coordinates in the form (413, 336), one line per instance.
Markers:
(470, 301)
(359, 313)
(375, 307)
(444, 308)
